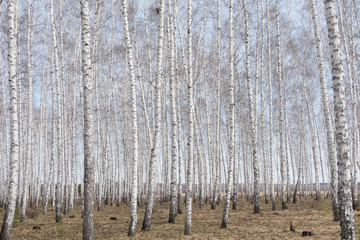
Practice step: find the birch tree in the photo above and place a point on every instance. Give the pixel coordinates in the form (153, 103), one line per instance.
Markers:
(30, 117)
(341, 125)
(134, 177)
(179, 198)
(272, 196)
(281, 113)
(253, 128)
(326, 111)
(58, 122)
(174, 129)
(89, 157)
(262, 108)
(218, 105)
(232, 120)
(14, 131)
(150, 198)
(189, 173)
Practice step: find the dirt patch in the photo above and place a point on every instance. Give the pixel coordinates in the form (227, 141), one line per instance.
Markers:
(310, 215)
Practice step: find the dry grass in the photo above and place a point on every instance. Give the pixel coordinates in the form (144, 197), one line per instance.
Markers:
(310, 215)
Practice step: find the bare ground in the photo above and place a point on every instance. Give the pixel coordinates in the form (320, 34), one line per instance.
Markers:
(308, 215)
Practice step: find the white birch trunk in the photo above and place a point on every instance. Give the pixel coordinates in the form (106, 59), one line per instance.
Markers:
(7, 147)
(272, 196)
(174, 127)
(349, 49)
(189, 179)
(150, 201)
(30, 116)
(89, 156)
(262, 108)
(14, 131)
(179, 200)
(253, 128)
(281, 113)
(231, 120)
(64, 127)
(218, 105)
(341, 125)
(43, 127)
(326, 111)
(73, 188)
(200, 158)
(19, 106)
(134, 176)
(50, 185)
(58, 122)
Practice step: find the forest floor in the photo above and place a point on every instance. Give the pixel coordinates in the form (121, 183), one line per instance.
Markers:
(308, 215)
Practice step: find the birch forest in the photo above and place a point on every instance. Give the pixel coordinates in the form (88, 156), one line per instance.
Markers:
(219, 119)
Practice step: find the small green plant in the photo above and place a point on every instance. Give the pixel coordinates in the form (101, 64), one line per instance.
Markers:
(61, 231)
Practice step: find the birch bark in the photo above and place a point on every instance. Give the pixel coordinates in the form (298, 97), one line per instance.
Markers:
(174, 129)
(14, 131)
(218, 104)
(89, 157)
(313, 145)
(189, 179)
(326, 111)
(134, 177)
(232, 119)
(256, 194)
(341, 125)
(179, 196)
(150, 201)
(58, 122)
(51, 182)
(281, 114)
(272, 196)
(30, 117)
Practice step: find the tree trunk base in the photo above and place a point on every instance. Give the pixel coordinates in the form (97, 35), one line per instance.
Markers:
(172, 218)
(273, 205)
(213, 205)
(58, 219)
(256, 209)
(145, 226)
(223, 224)
(187, 230)
(132, 227)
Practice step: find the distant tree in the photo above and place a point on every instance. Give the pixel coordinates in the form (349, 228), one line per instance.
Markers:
(272, 196)
(216, 190)
(262, 108)
(281, 111)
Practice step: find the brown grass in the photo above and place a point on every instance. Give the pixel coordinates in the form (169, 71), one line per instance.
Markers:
(309, 215)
